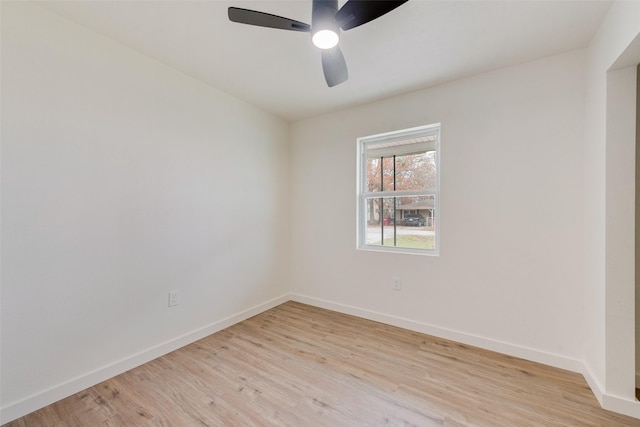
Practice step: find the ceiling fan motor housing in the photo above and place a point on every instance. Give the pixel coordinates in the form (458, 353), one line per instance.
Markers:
(323, 16)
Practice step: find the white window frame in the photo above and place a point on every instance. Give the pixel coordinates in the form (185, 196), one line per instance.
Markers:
(362, 194)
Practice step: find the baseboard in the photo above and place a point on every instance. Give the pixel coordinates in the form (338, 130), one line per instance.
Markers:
(626, 406)
(545, 358)
(23, 407)
(595, 385)
(621, 405)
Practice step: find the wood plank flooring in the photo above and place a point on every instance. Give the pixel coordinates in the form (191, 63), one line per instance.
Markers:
(297, 365)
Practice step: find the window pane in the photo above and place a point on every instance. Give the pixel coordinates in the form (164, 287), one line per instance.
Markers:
(416, 171)
(380, 174)
(380, 217)
(415, 220)
(374, 167)
(405, 222)
(374, 234)
(387, 173)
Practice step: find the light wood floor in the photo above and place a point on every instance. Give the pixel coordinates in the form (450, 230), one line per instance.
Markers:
(297, 365)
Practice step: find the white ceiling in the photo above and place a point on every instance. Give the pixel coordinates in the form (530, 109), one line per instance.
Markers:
(420, 44)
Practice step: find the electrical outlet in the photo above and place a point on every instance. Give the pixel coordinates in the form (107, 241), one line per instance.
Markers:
(397, 284)
(174, 298)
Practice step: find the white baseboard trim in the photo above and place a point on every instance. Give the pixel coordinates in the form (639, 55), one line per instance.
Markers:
(595, 385)
(555, 360)
(39, 400)
(622, 405)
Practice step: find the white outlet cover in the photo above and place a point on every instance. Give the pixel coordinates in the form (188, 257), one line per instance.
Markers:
(174, 298)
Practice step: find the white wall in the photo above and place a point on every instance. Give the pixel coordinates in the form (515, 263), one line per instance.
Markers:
(123, 179)
(620, 237)
(609, 223)
(637, 233)
(510, 273)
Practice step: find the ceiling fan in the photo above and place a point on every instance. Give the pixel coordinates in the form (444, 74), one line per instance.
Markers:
(326, 21)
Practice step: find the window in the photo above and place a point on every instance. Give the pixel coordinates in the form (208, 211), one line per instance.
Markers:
(398, 191)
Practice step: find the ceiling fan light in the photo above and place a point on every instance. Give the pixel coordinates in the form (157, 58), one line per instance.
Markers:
(325, 39)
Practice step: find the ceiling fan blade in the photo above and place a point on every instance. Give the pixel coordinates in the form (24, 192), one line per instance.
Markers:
(261, 19)
(334, 66)
(358, 12)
